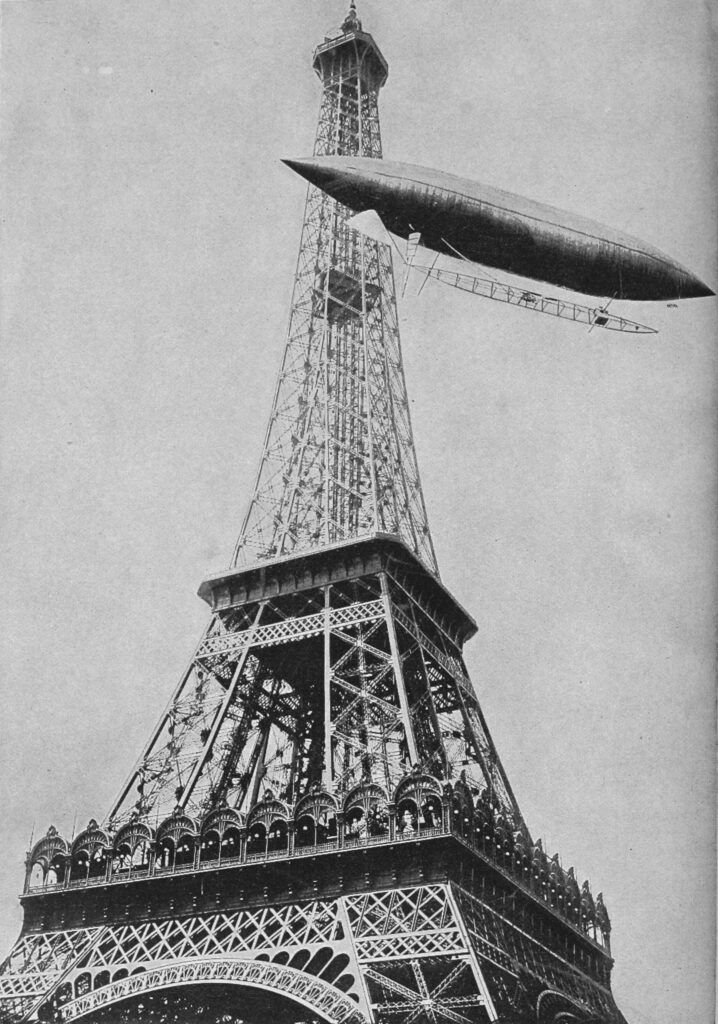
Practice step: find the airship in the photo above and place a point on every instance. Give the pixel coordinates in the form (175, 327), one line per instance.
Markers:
(482, 224)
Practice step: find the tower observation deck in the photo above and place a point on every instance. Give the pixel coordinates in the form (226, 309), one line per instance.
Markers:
(319, 826)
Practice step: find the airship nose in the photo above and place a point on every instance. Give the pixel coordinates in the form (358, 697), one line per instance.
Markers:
(336, 178)
(297, 165)
(696, 290)
(683, 283)
(315, 172)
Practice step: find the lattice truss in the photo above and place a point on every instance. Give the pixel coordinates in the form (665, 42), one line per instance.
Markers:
(36, 963)
(451, 734)
(302, 951)
(334, 686)
(338, 460)
(415, 958)
(338, 686)
(507, 946)
(401, 955)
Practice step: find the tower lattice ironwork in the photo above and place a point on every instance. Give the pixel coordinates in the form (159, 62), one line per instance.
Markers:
(319, 827)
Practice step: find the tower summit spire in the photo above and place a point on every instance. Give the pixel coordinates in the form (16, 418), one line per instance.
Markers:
(351, 23)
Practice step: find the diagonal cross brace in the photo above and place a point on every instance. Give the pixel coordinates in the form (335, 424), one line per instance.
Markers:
(219, 717)
(71, 966)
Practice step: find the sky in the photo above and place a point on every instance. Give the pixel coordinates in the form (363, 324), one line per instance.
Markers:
(150, 235)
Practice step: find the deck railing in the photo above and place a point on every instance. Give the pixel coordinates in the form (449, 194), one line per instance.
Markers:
(520, 870)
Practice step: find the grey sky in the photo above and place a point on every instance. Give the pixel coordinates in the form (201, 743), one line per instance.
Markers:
(150, 241)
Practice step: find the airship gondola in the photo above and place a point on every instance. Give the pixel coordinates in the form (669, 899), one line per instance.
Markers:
(369, 223)
(497, 229)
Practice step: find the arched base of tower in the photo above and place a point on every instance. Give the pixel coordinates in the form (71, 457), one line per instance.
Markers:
(205, 1004)
(203, 990)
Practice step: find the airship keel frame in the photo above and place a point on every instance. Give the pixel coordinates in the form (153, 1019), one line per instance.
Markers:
(591, 316)
(370, 223)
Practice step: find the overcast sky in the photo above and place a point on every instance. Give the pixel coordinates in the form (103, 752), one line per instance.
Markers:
(150, 241)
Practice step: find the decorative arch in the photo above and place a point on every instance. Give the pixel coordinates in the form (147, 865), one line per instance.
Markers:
(92, 837)
(222, 819)
(133, 833)
(522, 856)
(177, 826)
(132, 847)
(256, 839)
(175, 841)
(315, 994)
(587, 911)
(418, 800)
(483, 828)
(462, 793)
(462, 809)
(268, 811)
(316, 804)
(503, 839)
(88, 854)
(573, 896)
(209, 846)
(366, 811)
(48, 847)
(230, 843)
(267, 826)
(220, 834)
(315, 819)
(417, 783)
(50, 855)
(556, 881)
(602, 919)
(553, 1007)
(278, 836)
(539, 859)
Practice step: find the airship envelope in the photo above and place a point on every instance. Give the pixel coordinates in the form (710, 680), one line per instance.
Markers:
(497, 229)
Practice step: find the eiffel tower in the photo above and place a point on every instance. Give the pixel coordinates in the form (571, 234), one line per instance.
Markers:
(319, 827)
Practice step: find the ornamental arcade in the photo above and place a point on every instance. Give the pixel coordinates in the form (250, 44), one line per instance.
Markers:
(420, 807)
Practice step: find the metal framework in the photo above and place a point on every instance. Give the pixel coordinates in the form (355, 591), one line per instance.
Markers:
(338, 460)
(425, 952)
(591, 316)
(245, 717)
(347, 959)
(370, 224)
(320, 812)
